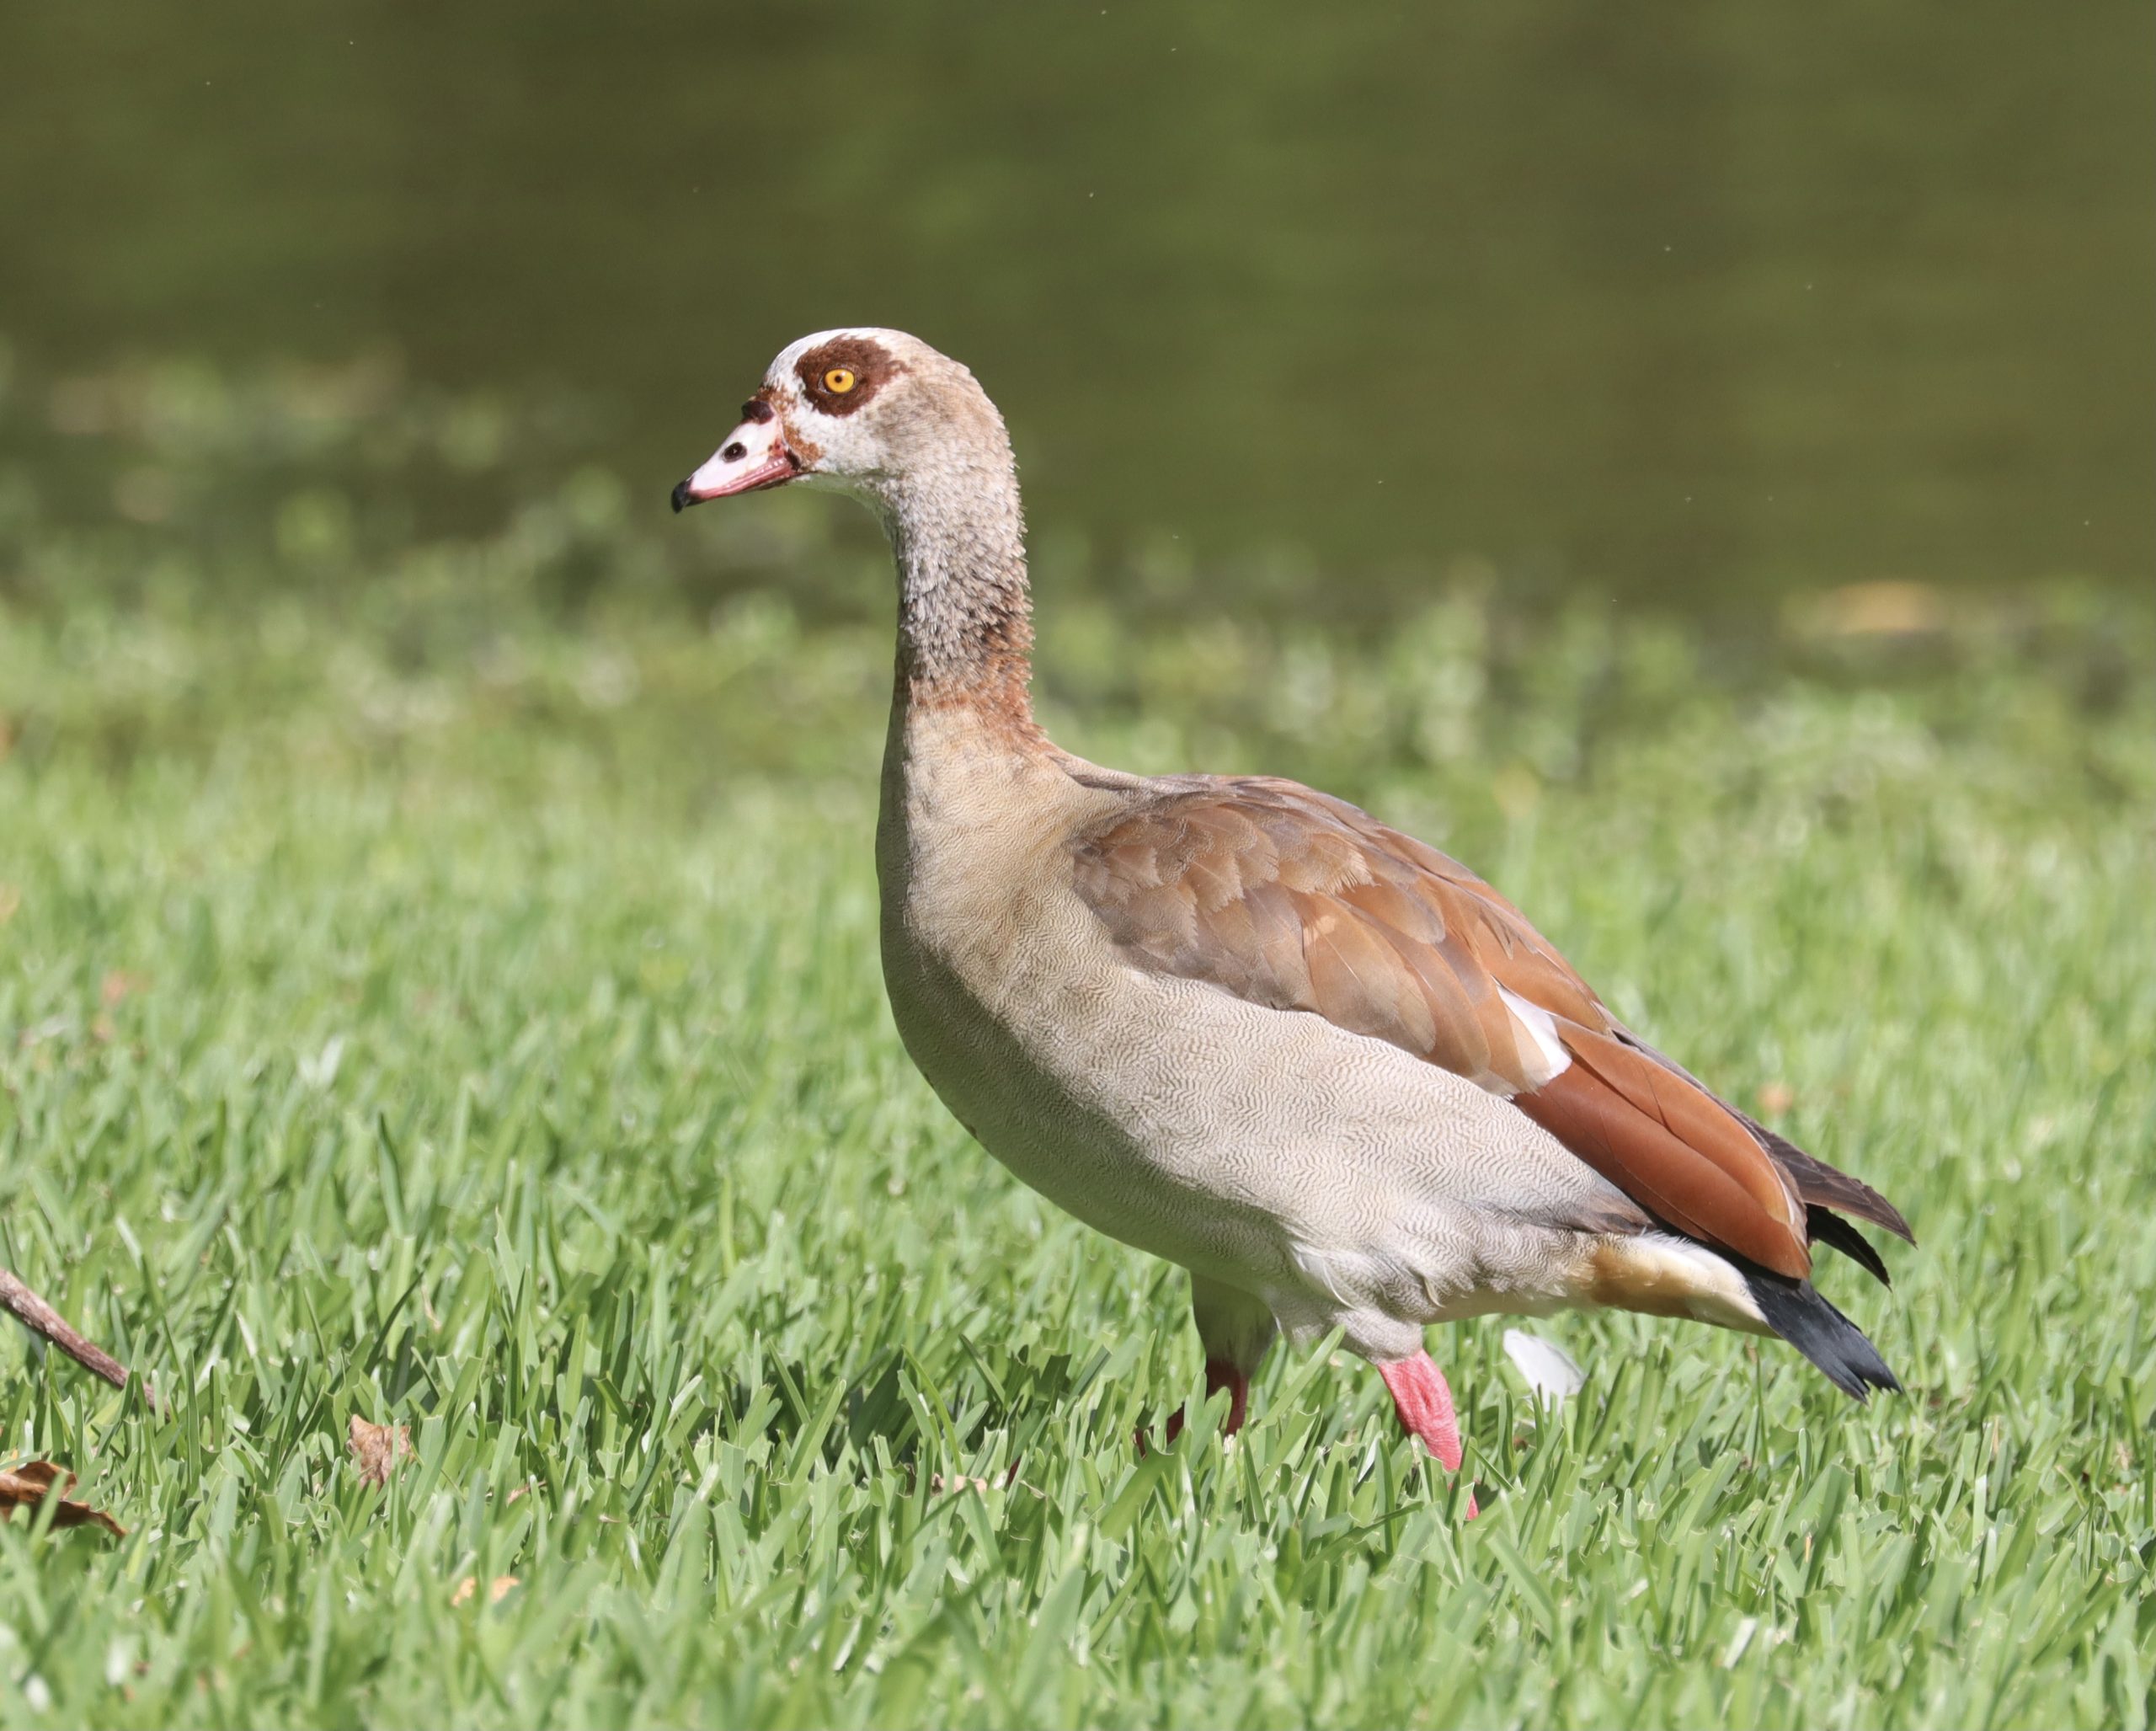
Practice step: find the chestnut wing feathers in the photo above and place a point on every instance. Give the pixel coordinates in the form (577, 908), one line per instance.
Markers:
(1288, 897)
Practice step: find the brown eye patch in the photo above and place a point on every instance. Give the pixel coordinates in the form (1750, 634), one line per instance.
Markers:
(855, 363)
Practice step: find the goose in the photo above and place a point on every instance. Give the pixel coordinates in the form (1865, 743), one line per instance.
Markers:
(1242, 1024)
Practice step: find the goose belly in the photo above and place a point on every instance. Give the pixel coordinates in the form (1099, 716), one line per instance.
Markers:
(1319, 1168)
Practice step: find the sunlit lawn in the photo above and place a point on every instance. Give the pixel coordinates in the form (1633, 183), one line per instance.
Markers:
(459, 1016)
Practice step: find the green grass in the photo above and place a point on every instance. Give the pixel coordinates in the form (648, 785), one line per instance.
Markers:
(423, 1005)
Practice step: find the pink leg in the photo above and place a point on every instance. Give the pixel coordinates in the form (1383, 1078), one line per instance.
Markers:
(1219, 1374)
(1424, 1404)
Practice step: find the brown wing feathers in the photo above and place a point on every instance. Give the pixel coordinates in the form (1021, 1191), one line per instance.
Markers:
(1820, 1185)
(1292, 899)
(1673, 1149)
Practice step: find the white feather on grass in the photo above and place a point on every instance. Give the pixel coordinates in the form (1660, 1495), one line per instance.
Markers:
(1551, 1371)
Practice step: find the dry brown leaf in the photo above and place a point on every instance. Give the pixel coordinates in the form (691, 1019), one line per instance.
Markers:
(497, 1589)
(376, 1449)
(27, 1485)
(1775, 1098)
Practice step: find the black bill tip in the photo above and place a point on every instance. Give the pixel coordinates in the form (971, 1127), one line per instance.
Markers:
(681, 496)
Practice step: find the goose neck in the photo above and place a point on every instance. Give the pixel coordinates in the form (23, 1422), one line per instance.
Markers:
(965, 614)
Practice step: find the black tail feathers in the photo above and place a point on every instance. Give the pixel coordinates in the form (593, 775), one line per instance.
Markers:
(1795, 1311)
(1822, 1228)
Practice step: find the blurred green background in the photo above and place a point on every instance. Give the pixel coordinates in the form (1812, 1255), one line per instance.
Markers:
(1705, 305)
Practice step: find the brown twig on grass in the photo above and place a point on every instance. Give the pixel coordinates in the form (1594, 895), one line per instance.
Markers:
(34, 1314)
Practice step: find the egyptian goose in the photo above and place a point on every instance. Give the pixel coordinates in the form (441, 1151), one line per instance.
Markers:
(1242, 1024)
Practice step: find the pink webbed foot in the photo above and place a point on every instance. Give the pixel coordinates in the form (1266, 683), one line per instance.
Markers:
(1219, 1374)
(1424, 1404)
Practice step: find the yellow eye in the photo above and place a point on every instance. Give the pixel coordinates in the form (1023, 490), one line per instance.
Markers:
(839, 380)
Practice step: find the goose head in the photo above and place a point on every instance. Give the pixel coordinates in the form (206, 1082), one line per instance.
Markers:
(873, 413)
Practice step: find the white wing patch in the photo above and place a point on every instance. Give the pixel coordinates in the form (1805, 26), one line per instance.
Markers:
(1542, 1052)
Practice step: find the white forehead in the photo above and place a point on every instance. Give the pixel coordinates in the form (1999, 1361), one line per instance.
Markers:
(897, 342)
